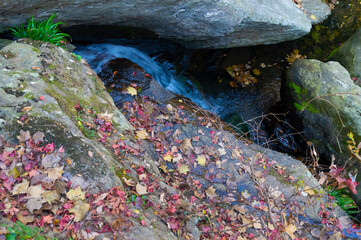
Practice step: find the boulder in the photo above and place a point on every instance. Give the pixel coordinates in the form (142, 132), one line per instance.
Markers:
(175, 174)
(197, 24)
(328, 102)
(349, 55)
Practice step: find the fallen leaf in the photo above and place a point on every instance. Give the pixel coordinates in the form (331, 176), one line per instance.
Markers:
(34, 204)
(186, 145)
(132, 91)
(25, 219)
(55, 173)
(313, 17)
(24, 136)
(80, 210)
(211, 192)
(90, 153)
(38, 137)
(201, 159)
(35, 191)
(75, 194)
(257, 225)
(35, 68)
(246, 194)
(26, 109)
(184, 169)
(41, 98)
(142, 134)
(256, 71)
(50, 196)
(141, 190)
(21, 187)
(168, 157)
(129, 182)
(290, 229)
(50, 160)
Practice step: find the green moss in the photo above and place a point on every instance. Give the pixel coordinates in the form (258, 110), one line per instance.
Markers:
(50, 108)
(298, 91)
(309, 107)
(52, 67)
(37, 50)
(29, 96)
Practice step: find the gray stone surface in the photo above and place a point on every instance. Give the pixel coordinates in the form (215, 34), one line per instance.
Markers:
(197, 24)
(349, 55)
(328, 102)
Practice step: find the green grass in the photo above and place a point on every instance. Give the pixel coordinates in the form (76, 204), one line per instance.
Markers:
(20, 231)
(46, 31)
(343, 200)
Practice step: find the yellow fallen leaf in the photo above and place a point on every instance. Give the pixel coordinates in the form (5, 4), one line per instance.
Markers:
(50, 196)
(290, 229)
(142, 134)
(313, 17)
(246, 194)
(184, 169)
(132, 91)
(75, 194)
(256, 71)
(201, 159)
(168, 157)
(80, 210)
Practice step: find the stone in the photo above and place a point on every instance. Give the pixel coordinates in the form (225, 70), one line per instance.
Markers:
(196, 24)
(328, 103)
(348, 55)
(66, 85)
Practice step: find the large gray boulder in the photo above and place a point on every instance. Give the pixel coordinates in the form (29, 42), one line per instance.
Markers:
(197, 24)
(349, 55)
(328, 102)
(40, 88)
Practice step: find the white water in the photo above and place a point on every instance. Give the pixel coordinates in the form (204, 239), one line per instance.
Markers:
(99, 54)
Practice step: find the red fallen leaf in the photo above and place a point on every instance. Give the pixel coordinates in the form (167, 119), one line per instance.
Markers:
(146, 74)
(142, 222)
(49, 147)
(61, 149)
(352, 184)
(115, 73)
(134, 73)
(41, 98)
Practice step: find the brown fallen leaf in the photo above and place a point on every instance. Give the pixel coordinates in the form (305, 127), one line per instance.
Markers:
(26, 109)
(34, 204)
(25, 219)
(35, 68)
(21, 187)
(211, 192)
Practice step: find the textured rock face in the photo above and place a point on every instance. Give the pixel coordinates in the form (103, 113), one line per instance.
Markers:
(349, 55)
(328, 102)
(197, 24)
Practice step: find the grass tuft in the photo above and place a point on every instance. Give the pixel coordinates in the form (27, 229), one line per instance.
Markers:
(46, 31)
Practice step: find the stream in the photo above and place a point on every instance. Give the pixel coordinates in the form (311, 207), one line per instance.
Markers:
(169, 63)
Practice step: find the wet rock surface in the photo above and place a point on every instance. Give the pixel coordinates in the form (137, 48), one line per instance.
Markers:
(206, 24)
